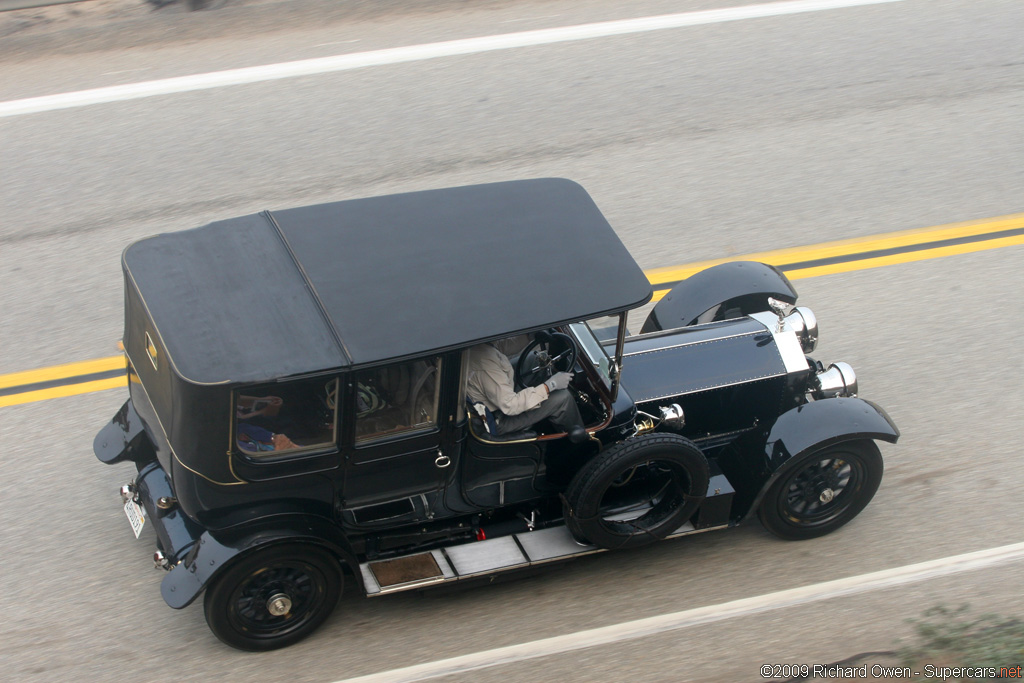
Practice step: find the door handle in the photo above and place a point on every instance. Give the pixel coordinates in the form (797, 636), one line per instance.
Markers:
(442, 460)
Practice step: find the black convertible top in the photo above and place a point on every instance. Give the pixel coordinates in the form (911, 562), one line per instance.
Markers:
(363, 281)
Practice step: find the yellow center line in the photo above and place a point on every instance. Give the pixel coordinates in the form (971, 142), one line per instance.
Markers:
(66, 390)
(56, 372)
(657, 276)
(857, 245)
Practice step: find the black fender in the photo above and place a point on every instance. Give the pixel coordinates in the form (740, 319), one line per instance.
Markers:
(744, 285)
(215, 551)
(124, 438)
(816, 425)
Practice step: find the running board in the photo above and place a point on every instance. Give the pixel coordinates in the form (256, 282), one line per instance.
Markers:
(478, 558)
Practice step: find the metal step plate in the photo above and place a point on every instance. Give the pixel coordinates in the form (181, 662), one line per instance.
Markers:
(682, 531)
(406, 573)
(485, 557)
(404, 570)
(545, 545)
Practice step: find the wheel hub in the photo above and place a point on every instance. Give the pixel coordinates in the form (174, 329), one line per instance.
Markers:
(827, 495)
(279, 604)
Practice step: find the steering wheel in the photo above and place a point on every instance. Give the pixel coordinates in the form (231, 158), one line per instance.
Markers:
(548, 353)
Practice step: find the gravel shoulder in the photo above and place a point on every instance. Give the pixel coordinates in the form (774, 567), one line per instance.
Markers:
(100, 25)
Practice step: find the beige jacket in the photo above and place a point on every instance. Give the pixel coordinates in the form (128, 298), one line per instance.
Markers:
(491, 379)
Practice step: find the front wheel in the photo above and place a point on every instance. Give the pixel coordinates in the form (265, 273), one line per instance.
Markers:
(274, 597)
(822, 490)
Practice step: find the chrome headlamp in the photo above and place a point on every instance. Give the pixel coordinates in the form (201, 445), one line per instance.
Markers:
(838, 380)
(803, 322)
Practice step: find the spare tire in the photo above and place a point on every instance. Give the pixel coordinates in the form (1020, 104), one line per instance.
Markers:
(637, 491)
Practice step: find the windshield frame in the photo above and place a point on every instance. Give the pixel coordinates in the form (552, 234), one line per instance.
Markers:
(594, 350)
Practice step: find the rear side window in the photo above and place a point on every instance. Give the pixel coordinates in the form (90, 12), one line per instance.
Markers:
(273, 419)
(397, 399)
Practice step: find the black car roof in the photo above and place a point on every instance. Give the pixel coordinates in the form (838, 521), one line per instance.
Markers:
(363, 281)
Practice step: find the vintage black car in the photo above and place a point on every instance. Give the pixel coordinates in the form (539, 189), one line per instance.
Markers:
(298, 412)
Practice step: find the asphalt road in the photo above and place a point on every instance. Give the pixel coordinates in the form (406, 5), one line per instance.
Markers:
(696, 142)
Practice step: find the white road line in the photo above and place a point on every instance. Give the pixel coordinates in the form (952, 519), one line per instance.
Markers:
(414, 53)
(640, 628)
(337, 42)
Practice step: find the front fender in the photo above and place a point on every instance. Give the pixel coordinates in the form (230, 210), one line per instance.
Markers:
(818, 424)
(746, 284)
(214, 552)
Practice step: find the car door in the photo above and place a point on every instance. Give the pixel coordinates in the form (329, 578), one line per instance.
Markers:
(396, 465)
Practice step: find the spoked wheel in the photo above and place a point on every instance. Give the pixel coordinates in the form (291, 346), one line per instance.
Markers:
(637, 492)
(823, 490)
(274, 597)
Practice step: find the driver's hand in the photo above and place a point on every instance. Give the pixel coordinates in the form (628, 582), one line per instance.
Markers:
(559, 381)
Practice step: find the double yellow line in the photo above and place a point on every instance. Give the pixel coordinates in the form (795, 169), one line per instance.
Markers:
(798, 263)
(62, 380)
(874, 251)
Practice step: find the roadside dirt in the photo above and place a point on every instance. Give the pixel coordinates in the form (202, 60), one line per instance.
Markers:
(97, 25)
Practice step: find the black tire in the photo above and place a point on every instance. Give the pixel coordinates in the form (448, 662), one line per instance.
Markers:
(238, 604)
(661, 478)
(822, 491)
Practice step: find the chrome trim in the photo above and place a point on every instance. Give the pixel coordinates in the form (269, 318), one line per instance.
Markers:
(427, 506)
(779, 308)
(127, 492)
(151, 350)
(279, 604)
(692, 343)
(412, 508)
(469, 425)
(695, 326)
(713, 386)
(785, 341)
(673, 414)
(160, 561)
(616, 367)
(804, 323)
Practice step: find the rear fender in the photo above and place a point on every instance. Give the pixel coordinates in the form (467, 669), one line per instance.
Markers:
(743, 285)
(819, 424)
(124, 438)
(212, 554)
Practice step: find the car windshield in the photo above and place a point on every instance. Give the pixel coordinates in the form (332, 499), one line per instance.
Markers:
(592, 347)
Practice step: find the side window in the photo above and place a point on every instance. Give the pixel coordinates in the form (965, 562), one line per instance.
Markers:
(396, 399)
(286, 416)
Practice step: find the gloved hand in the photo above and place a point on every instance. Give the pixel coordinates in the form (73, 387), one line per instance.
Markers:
(558, 381)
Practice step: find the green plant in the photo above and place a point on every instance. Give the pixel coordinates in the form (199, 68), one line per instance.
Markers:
(952, 638)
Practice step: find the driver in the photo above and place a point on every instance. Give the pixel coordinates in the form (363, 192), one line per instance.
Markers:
(490, 382)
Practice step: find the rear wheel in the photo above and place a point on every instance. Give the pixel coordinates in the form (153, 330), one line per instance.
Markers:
(822, 491)
(637, 491)
(273, 597)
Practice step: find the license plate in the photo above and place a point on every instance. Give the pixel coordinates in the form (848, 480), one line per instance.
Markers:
(136, 516)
